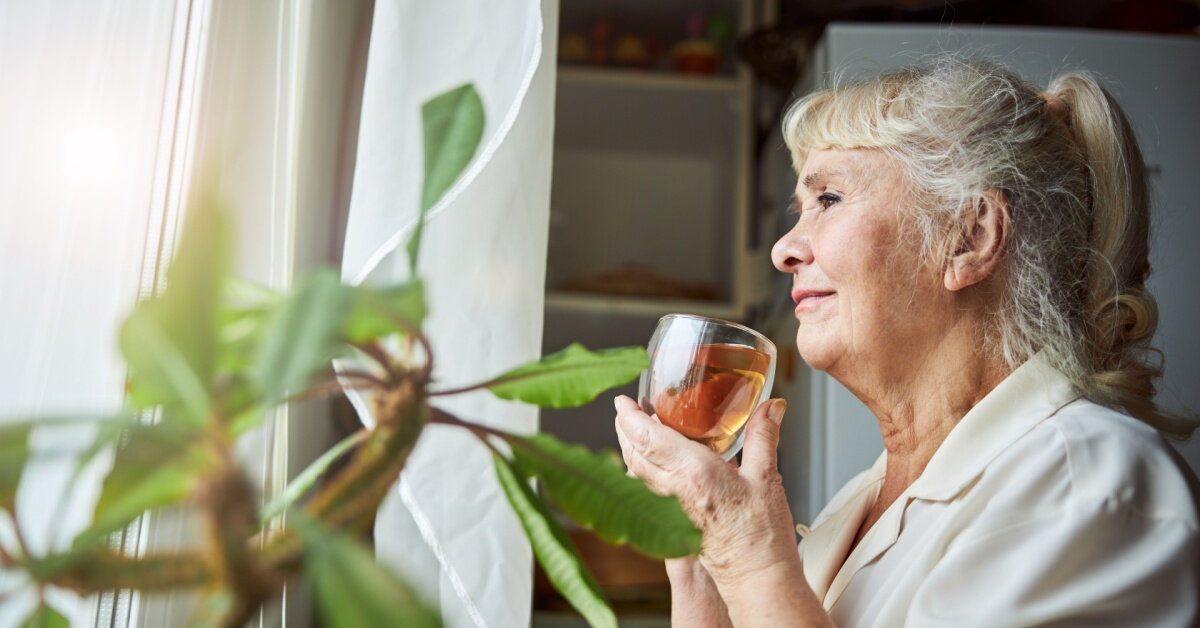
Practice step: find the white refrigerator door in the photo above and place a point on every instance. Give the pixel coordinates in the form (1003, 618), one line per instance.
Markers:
(1157, 80)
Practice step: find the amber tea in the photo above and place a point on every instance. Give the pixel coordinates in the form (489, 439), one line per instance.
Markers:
(711, 400)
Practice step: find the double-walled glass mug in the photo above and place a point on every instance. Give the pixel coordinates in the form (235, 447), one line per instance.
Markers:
(706, 377)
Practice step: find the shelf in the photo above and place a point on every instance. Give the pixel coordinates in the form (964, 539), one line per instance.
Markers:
(636, 306)
(646, 112)
(646, 79)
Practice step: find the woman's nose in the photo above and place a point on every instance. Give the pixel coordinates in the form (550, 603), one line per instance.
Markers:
(791, 251)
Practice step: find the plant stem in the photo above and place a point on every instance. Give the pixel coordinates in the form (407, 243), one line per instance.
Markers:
(104, 570)
(16, 522)
(230, 515)
(437, 415)
(414, 332)
(365, 375)
(459, 391)
(376, 352)
(357, 491)
(330, 388)
(496, 381)
(351, 498)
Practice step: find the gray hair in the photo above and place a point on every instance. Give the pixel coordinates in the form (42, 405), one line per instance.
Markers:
(1069, 168)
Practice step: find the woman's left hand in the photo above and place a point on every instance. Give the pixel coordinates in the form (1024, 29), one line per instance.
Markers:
(742, 511)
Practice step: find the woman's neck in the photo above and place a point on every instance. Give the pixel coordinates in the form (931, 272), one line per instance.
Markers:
(918, 406)
(924, 394)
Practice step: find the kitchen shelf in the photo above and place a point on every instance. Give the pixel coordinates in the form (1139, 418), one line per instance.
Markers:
(621, 78)
(563, 301)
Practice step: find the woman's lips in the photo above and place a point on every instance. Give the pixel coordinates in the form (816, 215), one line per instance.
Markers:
(809, 299)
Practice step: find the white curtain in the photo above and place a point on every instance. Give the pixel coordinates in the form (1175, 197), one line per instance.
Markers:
(87, 120)
(107, 104)
(483, 259)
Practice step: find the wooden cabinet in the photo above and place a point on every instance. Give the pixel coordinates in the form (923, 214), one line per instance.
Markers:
(652, 196)
(651, 213)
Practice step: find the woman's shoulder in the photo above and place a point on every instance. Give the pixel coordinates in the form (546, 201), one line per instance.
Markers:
(1103, 456)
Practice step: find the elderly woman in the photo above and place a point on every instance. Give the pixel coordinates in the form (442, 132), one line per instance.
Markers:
(969, 259)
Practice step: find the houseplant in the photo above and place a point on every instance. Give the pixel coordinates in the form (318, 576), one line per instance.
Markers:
(209, 355)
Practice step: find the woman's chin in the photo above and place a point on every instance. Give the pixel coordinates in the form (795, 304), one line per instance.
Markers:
(816, 351)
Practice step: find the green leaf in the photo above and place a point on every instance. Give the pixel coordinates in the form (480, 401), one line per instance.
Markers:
(246, 420)
(592, 489)
(14, 453)
(374, 310)
(241, 319)
(353, 590)
(302, 335)
(14, 446)
(160, 372)
(108, 433)
(552, 547)
(46, 617)
(571, 377)
(305, 480)
(155, 467)
(453, 126)
(170, 341)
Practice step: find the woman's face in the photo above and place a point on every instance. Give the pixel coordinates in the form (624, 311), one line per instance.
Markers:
(862, 296)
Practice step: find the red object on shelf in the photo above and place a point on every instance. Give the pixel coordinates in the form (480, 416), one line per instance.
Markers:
(694, 56)
(601, 31)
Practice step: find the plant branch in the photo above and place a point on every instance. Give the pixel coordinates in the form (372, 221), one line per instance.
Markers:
(415, 333)
(6, 559)
(496, 381)
(104, 570)
(230, 517)
(376, 352)
(399, 418)
(331, 388)
(364, 375)
(309, 476)
(16, 522)
(461, 390)
(437, 415)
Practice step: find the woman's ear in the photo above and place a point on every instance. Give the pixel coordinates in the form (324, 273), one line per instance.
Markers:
(983, 240)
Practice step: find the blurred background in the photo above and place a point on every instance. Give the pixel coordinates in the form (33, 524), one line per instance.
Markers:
(670, 180)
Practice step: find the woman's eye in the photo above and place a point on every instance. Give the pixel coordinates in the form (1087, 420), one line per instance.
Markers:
(828, 199)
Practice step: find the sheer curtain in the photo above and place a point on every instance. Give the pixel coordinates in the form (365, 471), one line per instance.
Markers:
(107, 106)
(483, 259)
(92, 90)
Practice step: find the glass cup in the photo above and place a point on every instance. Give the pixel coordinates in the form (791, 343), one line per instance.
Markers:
(706, 377)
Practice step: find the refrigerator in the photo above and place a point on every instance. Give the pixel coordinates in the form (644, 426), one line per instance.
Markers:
(1156, 78)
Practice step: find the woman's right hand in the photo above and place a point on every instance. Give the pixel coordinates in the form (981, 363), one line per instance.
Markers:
(748, 549)
(742, 511)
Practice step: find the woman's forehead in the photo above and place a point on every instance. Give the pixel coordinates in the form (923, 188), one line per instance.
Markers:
(822, 166)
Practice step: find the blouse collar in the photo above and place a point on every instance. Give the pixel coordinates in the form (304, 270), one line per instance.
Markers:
(1032, 393)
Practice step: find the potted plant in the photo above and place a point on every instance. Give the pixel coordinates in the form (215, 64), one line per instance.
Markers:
(209, 355)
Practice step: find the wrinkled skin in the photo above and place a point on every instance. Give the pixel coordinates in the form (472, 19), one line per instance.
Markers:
(742, 511)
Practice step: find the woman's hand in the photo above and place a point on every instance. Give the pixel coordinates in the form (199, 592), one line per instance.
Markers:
(695, 600)
(742, 511)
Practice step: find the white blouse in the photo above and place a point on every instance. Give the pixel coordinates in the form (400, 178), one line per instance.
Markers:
(1040, 508)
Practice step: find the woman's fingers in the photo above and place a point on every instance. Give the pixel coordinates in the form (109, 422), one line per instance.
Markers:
(668, 462)
(659, 445)
(760, 452)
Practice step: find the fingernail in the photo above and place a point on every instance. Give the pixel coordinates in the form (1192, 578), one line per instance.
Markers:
(776, 409)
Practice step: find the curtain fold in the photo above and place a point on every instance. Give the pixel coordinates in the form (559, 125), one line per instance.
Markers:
(483, 260)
